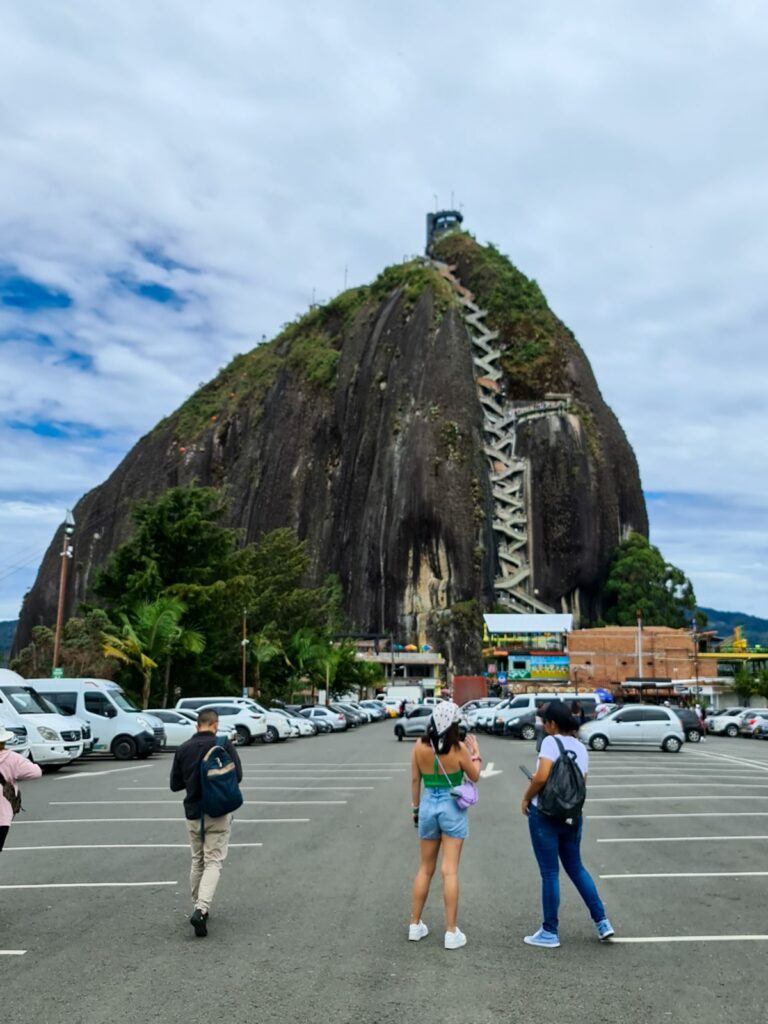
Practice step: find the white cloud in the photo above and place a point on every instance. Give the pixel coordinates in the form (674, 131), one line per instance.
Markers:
(613, 151)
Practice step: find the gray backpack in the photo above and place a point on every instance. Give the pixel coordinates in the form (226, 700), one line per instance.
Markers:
(12, 795)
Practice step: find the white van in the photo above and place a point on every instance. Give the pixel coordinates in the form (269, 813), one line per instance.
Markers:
(117, 725)
(53, 741)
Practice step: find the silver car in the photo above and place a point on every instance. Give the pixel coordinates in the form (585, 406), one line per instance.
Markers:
(634, 725)
(415, 723)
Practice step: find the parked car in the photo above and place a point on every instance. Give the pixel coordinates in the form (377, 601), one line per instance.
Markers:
(225, 731)
(117, 725)
(692, 727)
(76, 723)
(750, 719)
(353, 718)
(485, 715)
(633, 725)
(322, 713)
(521, 727)
(376, 709)
(472, 708)
(275, 727)
(54, 740)
(362, 713)
(19, 744)
(248, 723)
(725, 721)
(414, 723)
(299, 724)
(178, 728)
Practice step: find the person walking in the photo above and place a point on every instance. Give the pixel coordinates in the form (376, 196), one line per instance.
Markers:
(208, 837)
(555, 840)
(13, 768)
(440, 761)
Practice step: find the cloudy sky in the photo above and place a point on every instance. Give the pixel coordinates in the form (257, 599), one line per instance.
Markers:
(178, 178)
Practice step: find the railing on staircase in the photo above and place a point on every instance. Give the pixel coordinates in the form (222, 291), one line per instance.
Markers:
(509, 472)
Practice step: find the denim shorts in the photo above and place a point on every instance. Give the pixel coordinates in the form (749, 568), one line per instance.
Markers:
(439, 816)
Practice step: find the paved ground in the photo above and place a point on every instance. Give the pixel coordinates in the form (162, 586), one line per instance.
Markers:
(313, 921)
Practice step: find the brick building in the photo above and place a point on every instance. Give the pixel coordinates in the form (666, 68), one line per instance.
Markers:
(601, 657)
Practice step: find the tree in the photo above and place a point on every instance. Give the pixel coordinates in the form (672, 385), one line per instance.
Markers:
(639, 579)
(307, 656)
(81, 649)
(760, 682)
(743, 684)
(152, 633)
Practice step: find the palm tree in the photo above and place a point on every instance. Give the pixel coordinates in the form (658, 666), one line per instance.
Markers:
(263, 649)
(305, 655)
(150, 634)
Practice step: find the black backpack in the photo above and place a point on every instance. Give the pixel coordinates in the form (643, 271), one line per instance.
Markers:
(12, 795)
(565, 790)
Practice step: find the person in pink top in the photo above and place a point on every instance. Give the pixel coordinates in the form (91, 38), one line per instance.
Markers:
(13, 768)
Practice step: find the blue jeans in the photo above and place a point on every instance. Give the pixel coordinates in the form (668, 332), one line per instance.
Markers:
(554, 841)
(439, 815)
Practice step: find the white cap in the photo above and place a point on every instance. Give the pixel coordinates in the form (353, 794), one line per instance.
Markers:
(5, 735)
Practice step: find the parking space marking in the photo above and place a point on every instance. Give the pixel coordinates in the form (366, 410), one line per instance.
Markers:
(113, 821)
(694, 874)
(12, 952)
(109, 771)
(732, 759)
(671, 796)
(329, 764)
(691, 938)
(118, 846)
(681, 814)
(85, 885)
(680, 839)
(143, 803)
(668, 785)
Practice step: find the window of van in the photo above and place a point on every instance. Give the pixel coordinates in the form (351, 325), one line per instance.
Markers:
(122, 701)
(25, 700)
(99, 704)
(65, 702)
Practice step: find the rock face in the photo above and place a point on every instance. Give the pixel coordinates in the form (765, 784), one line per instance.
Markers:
(360, 427)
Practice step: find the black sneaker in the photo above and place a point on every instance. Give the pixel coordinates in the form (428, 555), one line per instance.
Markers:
(199, 922)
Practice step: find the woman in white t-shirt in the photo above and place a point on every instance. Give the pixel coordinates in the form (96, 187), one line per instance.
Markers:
(555, 840)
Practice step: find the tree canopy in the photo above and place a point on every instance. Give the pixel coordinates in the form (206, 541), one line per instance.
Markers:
(640, 579)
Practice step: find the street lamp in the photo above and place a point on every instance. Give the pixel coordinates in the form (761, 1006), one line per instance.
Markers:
(244, 645)
(66, 553)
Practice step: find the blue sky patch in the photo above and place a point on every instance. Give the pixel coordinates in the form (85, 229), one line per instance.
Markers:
(21, 292)
(155, 255)
(150, 290)
(57, 429)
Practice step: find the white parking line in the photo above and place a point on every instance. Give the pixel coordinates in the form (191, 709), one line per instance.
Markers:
(12, 952)
(249, 769)
(328, 764)
(85, 885)
(109, 771)
(118, 846)
(669, 785)
(681, 839)
(671, 796)
(695, 874)
(681, 814)
(142, 803)
(730, 759)
(694, 938)
(102, 821)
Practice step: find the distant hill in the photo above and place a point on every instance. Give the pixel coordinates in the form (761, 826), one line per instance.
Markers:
(754, 628)
(7, 629)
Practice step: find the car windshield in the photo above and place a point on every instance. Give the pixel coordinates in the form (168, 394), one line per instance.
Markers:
(121, 700)
(26, 701)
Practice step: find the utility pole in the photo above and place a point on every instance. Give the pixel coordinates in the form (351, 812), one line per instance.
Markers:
(640, 646)
(244, 646)
(66, 554)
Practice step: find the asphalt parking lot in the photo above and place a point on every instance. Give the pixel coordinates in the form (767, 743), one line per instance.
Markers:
(312, 910)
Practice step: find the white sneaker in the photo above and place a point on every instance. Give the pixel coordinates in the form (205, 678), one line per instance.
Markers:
(417, 931)
(455, 939)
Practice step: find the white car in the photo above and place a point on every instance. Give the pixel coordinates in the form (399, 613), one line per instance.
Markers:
(248, 723)
(225, 732)
(376, 709)
(178, 728)
(634, 725)
(275, 726)
(335, 719)
(300, 726)
(472, 709)
(725, 722)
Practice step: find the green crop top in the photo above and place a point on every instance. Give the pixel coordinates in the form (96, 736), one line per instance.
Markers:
(439, 780)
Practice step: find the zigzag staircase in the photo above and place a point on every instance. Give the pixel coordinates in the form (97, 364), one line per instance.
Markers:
(510, 473)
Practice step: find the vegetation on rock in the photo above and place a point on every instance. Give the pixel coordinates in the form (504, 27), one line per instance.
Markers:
(641, 580)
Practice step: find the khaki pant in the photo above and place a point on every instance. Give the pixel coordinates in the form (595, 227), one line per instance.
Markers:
(208, 855)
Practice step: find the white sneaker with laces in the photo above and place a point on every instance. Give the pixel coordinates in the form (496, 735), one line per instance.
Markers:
(417, 931)
(455, 939)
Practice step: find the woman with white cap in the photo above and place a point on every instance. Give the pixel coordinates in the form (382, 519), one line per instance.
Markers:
(12, 768)
(440, 761)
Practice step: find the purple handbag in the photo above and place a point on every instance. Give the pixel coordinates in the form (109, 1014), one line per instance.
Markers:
(465, 794)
